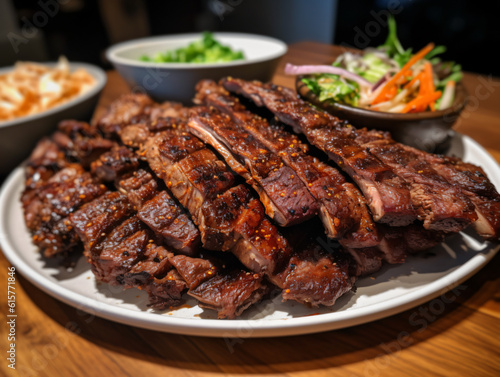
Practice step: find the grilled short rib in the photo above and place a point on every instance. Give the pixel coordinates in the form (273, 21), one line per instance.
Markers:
(386, 172)
(343, 209)
(387, 194)
(284, 196)
(229, 217)
(139, 190)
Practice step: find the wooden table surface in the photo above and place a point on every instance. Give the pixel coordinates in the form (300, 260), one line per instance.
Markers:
(462, 338)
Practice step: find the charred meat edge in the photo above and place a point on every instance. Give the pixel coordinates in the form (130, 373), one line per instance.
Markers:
(284, 196)
(387, 194)
(253, 239)
(343, 209)
(438, 204)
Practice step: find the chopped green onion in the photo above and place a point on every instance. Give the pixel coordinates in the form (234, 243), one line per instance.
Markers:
(205, 50)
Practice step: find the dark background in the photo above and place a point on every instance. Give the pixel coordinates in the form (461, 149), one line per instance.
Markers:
(468, 28)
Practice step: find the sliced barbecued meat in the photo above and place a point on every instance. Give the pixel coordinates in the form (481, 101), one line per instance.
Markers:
(261, 248)
(130, 235)
(367, 260)
(195, 176)
(113, 164)
(396, 244)
(230, 292)
(119, 248)
(220, 284)
(166, 292)
(316, 277)
(387, 194)
(136, 108)
(46, 208)
(51, 235)
(137, 134)
(135, 260)
(195, 270)
(94, 221)
(122, 250)
(154, 204)
(319, 270)
(164, 216)
(439, 205)
(122, 111)
(343, 209)
(81, 142)
(56, 186)
(46, 159)
(476, 185)
(139, 185)
(283, 194)
(229, 218)
(469, 178)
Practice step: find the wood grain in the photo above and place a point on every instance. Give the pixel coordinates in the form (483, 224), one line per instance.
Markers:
(461, 338)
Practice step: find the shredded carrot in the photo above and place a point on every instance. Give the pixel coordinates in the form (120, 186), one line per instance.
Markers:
(428, 69)
(390, 94)
(381, 97)
(406, 76)
(417, 77)
(423, 100)
(427, 85)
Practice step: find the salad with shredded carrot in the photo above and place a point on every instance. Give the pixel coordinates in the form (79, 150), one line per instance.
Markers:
(387, 78)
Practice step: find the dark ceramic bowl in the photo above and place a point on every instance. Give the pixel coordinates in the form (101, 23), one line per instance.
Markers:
(429, 131)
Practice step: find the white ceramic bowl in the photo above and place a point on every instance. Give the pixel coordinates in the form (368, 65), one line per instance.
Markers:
(176, 81)
(19, 136)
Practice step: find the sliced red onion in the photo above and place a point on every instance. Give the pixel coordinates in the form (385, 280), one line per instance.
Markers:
(383, 79)
(291, 69)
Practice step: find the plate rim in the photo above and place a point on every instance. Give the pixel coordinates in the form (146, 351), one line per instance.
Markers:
(239, 328)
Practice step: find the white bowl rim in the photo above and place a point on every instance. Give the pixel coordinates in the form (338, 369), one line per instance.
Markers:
(96, 72)
(111, 52)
